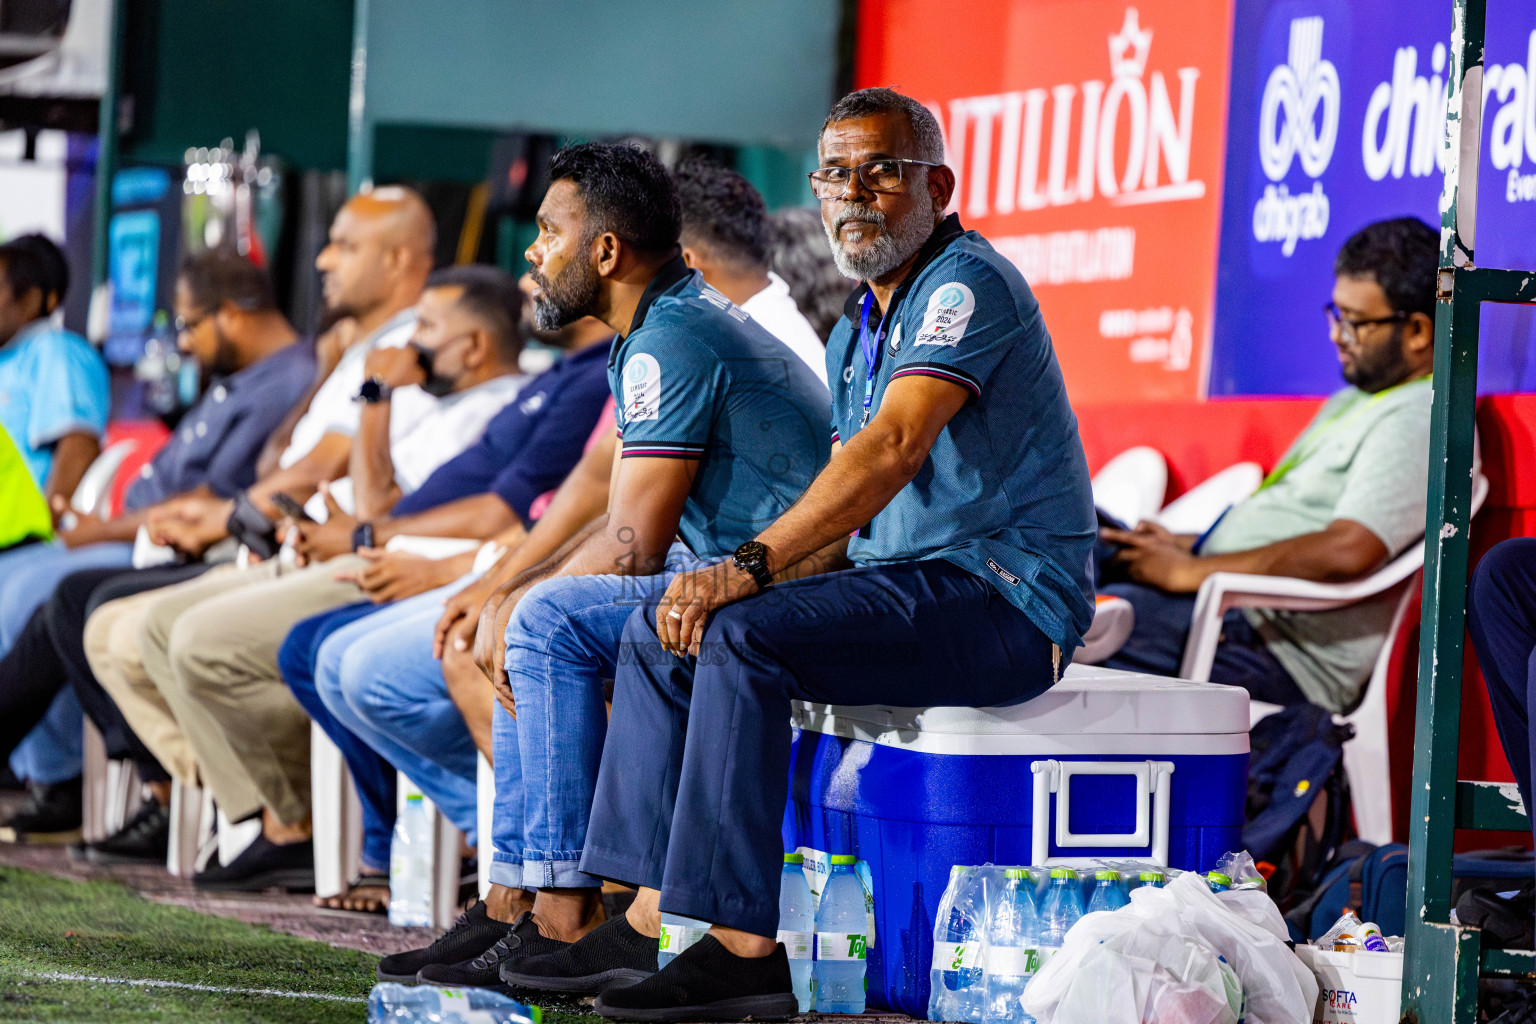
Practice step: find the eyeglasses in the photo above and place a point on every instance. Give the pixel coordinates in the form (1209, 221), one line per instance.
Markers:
(875, 175)
(183, 325)
(1350, 329)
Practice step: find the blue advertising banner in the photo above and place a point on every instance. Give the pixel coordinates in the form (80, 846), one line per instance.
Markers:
(1336, 120)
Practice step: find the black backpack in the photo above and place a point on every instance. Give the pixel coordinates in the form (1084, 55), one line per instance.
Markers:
(1298, 798)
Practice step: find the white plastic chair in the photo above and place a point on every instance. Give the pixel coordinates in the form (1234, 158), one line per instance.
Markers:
(485, 806)
(1197, 509)
(1130, 486)
(94, 491)
(1366, 762)
(1113, 620)
(337, 814)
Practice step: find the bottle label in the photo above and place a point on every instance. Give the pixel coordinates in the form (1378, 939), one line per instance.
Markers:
(452, 1000)
(1013, 961)
(677, 937)
(798, 945)
(1046, 952)
(839, 946)
(956, 956)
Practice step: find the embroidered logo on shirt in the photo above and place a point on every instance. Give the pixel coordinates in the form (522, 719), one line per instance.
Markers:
(532, 405)
(1007, 576)
(949, 313)
(642, 388)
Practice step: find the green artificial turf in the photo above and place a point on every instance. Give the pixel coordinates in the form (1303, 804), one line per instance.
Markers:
(50, 926)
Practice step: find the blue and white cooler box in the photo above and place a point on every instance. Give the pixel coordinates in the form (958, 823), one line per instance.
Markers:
(1105, 764)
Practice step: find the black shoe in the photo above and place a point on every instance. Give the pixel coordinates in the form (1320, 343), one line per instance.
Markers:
(613, 953)
(522, 943)
(472, 934)
(1508, 922)
(707, 982)
(52, 815)
(263, 865)
(145, 839)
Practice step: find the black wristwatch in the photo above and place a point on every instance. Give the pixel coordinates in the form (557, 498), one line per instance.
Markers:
(752, 559)
(374, 391)
(362, 536)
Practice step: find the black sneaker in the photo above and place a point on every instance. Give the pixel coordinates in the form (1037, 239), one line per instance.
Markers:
(707, 982)
(613, 953)
(472, 934)
(484, 971)
(145, 838)
(51, 817)
(1508, 922)
(263, 865)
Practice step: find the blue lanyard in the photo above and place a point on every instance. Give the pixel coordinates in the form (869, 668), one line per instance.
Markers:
(871, 349)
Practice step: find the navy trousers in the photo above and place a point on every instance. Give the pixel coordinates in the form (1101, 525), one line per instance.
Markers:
(374, 777)
(1501, 616)
(695, 771)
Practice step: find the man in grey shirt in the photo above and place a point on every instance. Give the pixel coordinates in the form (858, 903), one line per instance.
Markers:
(1347, 497)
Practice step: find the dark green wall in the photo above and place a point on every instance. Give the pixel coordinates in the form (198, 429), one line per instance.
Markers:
(204, 70)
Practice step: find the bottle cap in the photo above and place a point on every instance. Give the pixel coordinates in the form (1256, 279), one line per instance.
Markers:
(843, 858)
(413, 798)
(794, 858)
(1063, 873)
(1219, 878)
(1107, 876)
(1152, 876)
(1015, 873)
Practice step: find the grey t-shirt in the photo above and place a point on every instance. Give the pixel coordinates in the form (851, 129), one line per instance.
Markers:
(1364, 458)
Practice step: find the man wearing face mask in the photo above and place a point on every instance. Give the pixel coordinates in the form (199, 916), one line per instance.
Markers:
(209, 646)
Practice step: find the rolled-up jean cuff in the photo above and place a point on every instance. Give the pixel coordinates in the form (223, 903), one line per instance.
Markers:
(506, 872)
(557, 873)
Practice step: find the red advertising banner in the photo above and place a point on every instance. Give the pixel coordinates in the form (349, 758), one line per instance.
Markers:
(1087, 139)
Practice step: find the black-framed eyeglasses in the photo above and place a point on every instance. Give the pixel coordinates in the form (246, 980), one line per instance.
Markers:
(875, 175)
(1350, 329)
(183, 325)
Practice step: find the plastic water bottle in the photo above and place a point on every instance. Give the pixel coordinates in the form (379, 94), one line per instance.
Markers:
(1013, 953)
(1156, 879)
(797, 928)
(955, 976)
(1063, 906)
(840, 941)
(677, 934)
(389, 1003)
(410, 867)
(1107, 894)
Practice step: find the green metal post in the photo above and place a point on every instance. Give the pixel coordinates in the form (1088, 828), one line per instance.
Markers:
(1441, 963)
(359, 128)
(106, 144)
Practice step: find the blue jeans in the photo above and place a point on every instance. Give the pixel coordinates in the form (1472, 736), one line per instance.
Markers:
(373, 776)
(562, 644)
(693, 787)
(378, 678)
(28, 575)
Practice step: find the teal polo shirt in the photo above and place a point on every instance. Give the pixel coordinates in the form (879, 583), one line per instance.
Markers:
(697, 378)
(1004, 493)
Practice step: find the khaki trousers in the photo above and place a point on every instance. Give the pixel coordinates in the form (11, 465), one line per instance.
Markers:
(112, 648)
(210, 647)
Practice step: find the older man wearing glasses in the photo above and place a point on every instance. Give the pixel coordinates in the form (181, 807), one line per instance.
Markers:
(941, 557)
(1346, 497)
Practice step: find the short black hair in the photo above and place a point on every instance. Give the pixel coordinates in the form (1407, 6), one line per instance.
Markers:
(33, 261)
(491, 296)
(1402, 255)
(869, 102)
(216, 276)
(626, 190)
(723, 213)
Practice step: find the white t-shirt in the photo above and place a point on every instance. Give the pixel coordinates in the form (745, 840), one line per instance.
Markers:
(333, 411)
(775, 309)
(418, 445)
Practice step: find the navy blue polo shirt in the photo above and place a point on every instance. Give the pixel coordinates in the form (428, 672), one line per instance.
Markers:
(697, 378)
(1004, 493)
(218, 440)
(528, 447)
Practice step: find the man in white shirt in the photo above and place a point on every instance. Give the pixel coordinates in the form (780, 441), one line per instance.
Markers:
(725, 237)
